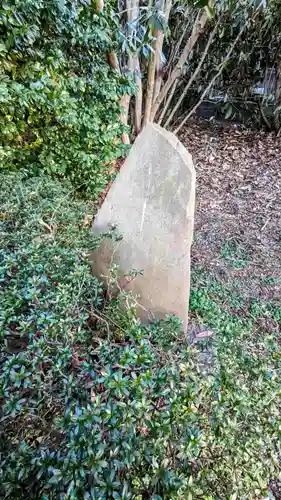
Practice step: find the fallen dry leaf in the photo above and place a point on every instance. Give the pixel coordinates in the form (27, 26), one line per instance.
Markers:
(88, 219)
(203, 335)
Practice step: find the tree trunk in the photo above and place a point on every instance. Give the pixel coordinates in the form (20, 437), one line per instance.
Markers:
(177, 71)
(150, 85)
(114, 63)
(134, 67)
(159, 63)
(125, 101)
(113, 60)
(157, 35)
(138, 97)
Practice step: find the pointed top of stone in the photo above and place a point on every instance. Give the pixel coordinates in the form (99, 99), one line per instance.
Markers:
(154, 128)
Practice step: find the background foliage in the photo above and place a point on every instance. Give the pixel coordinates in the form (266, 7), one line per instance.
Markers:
(215, 58)
(248, 88)
(59, 96)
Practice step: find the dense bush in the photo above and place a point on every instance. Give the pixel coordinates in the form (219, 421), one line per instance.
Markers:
(59, 96)
(95, 405)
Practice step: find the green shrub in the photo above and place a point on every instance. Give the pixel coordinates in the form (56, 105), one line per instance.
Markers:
(94, 405)
(59, 96)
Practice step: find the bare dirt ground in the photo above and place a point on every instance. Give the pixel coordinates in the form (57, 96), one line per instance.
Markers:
(238, 214)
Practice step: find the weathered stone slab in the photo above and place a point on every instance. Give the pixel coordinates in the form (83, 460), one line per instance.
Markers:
(151, 203)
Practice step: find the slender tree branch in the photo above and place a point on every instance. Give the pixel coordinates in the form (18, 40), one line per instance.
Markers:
(277, 94)
(193, 77)
(167, 104)
(176, 73)
(177, 47)
(263, 116)
(215, 77)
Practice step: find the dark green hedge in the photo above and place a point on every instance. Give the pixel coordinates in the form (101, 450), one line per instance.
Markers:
(59, 98)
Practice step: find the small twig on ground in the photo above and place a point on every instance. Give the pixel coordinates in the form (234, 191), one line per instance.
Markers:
(99, 317)
(266, 222)
(109, 320)
(52, 230)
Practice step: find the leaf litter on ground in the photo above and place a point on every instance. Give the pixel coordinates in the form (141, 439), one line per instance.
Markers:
(238, 211)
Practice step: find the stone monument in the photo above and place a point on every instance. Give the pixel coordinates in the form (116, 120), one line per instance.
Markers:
(151, 203)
